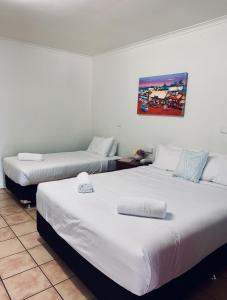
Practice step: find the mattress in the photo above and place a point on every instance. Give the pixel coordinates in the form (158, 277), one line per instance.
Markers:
(56, 166)
(140, 254)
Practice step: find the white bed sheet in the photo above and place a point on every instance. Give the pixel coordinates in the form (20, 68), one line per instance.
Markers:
(55, 166)
(140, 254)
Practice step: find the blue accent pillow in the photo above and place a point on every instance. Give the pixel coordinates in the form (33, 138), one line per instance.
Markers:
(191, 165)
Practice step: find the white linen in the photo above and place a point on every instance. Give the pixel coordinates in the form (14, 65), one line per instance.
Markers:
(84, 184)
(216, 169)
(113, 150)
(141, 206)
(211, 169)
(101, 145)
(191, 165)
(140, 254)
(30, 156)
(167, 157)
(55, 166)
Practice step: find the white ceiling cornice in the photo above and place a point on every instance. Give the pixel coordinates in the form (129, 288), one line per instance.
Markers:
(168, 35)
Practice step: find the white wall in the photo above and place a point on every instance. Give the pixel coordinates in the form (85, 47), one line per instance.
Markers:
(45, 99)
(45, 94)
(202, 53)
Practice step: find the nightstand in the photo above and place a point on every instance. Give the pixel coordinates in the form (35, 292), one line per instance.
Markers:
(128, 163)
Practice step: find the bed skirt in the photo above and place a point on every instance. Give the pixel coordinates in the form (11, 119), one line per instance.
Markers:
(22, 192)
(104, 288)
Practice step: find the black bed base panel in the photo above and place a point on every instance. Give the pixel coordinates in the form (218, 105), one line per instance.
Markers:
(106, 289)
(22, 192)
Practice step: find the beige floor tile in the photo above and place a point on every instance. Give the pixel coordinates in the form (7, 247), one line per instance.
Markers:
(3, 293)
(6, 233)
(5, 195)
(2, 223)
(32, 212)
(49, 294)
(56, 271)
(42, 254)
(10, 247)
(2, 191)
(31, 240)
(10, 210)
(72, 289)
(14, 264)
(26, 284)
(17, 218)
(24, 228)
(4, 202)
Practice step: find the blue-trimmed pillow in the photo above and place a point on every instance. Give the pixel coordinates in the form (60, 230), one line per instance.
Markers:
(191, 165)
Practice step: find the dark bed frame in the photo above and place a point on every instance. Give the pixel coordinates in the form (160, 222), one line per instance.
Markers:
(22, 193)
(106, 289)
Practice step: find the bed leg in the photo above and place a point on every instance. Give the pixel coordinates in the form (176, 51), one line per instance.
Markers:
(27, 203)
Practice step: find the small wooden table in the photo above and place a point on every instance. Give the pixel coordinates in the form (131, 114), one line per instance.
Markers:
(128, 163)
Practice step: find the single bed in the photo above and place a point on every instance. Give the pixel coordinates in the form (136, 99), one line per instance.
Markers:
(22, 177)
(139, 254)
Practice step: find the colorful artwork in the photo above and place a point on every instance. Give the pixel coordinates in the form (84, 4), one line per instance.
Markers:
(162, 95)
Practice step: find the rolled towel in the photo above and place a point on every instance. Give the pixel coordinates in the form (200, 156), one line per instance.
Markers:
(143, 207)
(84, 183)
(30, 156)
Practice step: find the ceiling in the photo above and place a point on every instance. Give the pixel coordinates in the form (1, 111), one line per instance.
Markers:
(95, 26)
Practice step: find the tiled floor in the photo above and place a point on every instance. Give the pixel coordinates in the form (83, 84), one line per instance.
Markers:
(29, 269)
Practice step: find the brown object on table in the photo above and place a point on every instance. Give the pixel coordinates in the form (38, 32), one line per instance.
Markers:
(128, 163)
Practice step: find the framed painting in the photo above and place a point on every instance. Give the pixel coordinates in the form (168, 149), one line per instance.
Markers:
(162, 95)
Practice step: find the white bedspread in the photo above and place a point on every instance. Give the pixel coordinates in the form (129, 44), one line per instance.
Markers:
(140, 254)
(55, 166)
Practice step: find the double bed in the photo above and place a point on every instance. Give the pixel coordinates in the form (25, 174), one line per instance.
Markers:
(22, 177)
(138, 254)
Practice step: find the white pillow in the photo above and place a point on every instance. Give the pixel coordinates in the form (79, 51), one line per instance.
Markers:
(113, 149)
(222, 172)
(101, 145)
(167, 157)
(216, 169)
(211, 170)
(94, 144)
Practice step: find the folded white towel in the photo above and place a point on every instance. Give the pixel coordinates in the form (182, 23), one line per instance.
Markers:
(84, 183)
(140, 206)
(30, 156)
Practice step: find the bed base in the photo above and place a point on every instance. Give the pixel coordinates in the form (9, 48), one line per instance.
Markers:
(104, 288)
(25, 194)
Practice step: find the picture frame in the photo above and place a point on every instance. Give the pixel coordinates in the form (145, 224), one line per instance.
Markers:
(162, 95)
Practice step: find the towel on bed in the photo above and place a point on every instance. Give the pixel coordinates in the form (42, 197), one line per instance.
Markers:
(30, 156)
(84, 183)
(143, 207)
